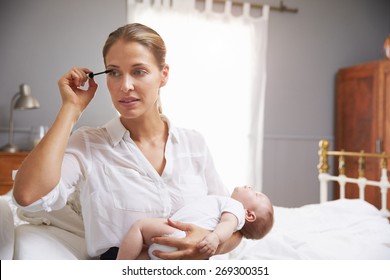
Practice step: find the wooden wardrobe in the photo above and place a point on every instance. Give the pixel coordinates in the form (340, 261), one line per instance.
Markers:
(363, 120)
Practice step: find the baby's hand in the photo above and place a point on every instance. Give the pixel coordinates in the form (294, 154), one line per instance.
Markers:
(209, 244)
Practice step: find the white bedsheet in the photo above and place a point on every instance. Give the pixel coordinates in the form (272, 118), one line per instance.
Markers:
(336, 230)
(342, 229)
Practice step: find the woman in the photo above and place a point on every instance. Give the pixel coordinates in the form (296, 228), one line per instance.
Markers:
(136, 166)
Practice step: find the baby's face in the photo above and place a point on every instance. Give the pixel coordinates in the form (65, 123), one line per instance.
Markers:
(249, 197)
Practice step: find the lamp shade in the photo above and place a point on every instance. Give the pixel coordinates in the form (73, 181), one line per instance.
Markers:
(25, 100)
(20, 101)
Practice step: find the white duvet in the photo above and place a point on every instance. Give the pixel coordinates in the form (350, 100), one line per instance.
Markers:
(342, 229)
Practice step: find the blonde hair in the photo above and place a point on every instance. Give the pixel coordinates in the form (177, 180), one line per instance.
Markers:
(142, 34)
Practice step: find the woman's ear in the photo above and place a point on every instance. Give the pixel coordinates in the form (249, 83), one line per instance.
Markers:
(165, 75)
(250, 215)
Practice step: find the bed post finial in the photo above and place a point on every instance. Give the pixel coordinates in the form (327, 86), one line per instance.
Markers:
(323, 166)
(383, 161)
(362, 165)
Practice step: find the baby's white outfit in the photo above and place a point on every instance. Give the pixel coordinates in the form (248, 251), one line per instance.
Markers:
(206, 213)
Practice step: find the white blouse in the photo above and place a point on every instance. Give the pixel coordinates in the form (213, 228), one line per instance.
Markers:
(118, 185)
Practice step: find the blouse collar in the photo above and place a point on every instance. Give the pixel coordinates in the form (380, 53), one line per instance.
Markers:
(116, 131)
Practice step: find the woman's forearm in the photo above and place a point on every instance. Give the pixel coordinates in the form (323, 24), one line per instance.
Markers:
(41, 170)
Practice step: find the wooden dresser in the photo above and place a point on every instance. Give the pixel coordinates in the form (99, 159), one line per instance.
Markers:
(363, 120)
(9, 162)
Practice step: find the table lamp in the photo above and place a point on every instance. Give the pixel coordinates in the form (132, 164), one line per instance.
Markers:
(20, 101)
(386, 47)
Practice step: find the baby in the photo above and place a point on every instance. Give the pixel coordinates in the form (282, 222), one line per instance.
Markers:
(246, 210)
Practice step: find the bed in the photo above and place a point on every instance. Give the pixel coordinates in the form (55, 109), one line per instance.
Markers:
(332, 230)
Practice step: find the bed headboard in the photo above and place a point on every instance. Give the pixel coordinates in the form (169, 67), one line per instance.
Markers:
(361, 181)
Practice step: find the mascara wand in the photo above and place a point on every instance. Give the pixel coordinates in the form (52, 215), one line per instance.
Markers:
(91, 75)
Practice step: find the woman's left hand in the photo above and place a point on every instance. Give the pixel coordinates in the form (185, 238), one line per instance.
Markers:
(187, 247)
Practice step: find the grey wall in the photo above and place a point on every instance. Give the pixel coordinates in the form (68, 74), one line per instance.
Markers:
(42, 39)
(305, 52)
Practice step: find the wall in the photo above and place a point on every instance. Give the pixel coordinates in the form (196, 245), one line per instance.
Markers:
(42, 39)
(305, 52)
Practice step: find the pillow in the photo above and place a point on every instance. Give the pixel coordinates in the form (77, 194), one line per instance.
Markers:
(8, 198)
(7, 232)
(43, 242)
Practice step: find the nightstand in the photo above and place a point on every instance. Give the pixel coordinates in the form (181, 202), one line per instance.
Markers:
(9, 162)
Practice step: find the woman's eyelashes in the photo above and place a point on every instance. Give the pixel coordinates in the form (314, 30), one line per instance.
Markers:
(140, 72)
(113, 72)
(135, 73)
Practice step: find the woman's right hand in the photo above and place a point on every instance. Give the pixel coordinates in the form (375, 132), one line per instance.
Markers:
(71, 90)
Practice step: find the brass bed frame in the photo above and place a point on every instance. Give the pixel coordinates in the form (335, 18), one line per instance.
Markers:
(325, 177)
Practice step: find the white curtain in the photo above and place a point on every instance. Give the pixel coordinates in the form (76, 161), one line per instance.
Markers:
(217, 79)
